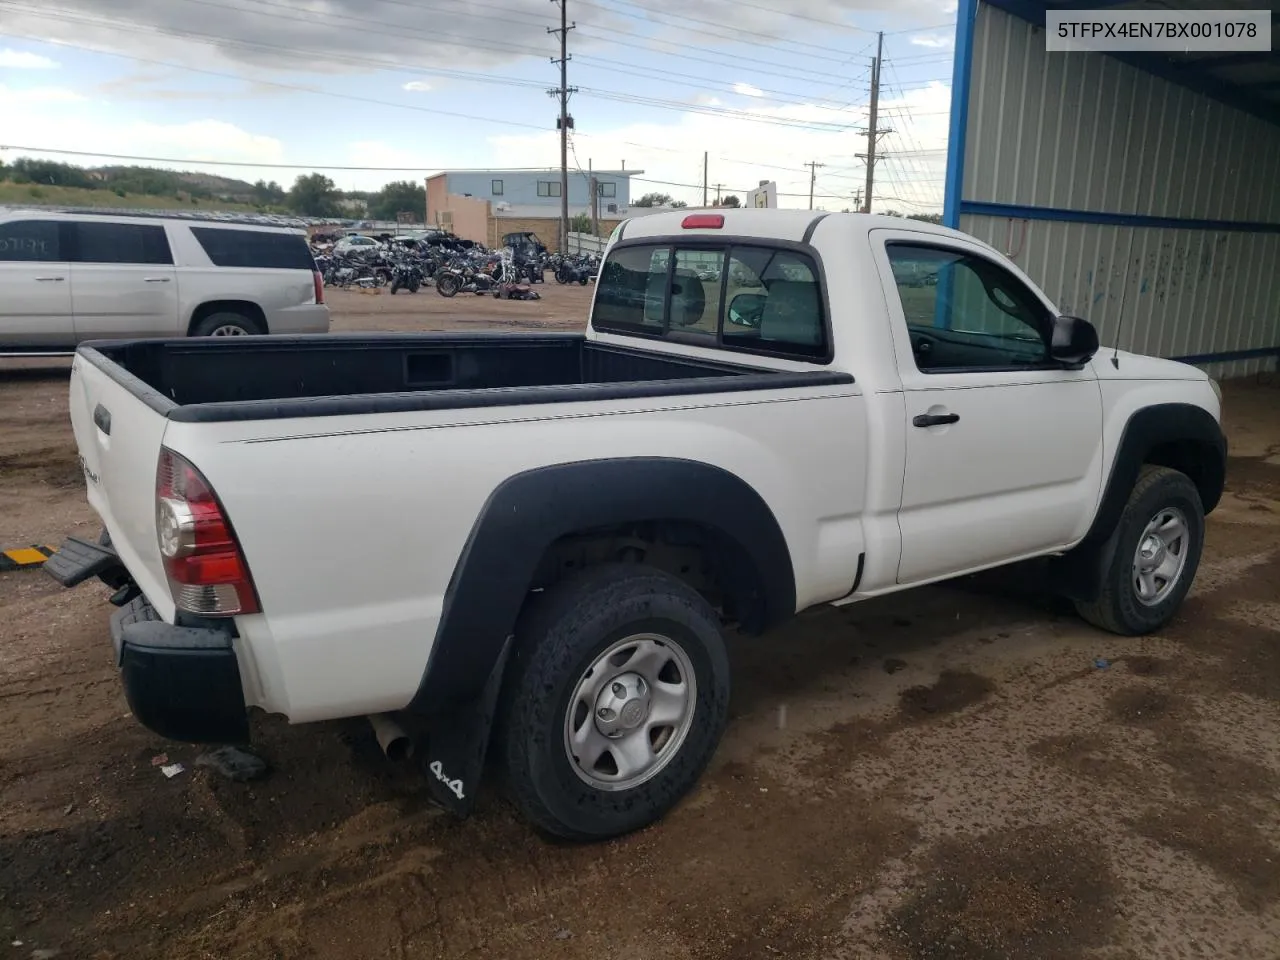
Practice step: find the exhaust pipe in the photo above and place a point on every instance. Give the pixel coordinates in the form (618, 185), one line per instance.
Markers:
(395, 743)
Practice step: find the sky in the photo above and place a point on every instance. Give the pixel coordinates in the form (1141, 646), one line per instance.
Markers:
(763, 87)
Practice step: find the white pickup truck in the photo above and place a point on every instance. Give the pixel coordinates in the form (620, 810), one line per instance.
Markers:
(530, 543)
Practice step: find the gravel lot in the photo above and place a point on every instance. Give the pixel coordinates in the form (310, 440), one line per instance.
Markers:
(943, 774)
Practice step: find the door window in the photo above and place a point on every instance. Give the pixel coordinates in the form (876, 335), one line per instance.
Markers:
(964, 312)
(121, 243)
(31, 241)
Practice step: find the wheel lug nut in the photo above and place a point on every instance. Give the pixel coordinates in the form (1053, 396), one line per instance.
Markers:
(619, 690)
(605, 713)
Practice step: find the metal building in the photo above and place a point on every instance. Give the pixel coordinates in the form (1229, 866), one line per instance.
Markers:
(1140, 190)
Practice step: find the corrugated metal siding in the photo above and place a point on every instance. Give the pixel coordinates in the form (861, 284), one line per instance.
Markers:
(1082, 131)
(1182, 292)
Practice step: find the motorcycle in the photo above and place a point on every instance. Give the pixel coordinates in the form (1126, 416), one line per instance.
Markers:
(406, 276)
(465, 278)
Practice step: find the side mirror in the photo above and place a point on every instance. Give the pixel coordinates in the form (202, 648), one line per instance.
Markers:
(746, 309)
(1074, 341)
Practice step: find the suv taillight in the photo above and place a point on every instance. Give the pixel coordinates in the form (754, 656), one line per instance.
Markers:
(206, 569)
(318, 280)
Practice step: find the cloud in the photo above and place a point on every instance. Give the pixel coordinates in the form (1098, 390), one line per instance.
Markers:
(934, 41)
(745, 151)
(24, 60)
(747, 90)
(335, 36)
(20, 96)
(417, 86)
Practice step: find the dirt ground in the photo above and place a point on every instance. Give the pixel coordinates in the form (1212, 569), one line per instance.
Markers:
(963, 772)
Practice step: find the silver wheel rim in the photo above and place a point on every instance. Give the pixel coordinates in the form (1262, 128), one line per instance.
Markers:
(1161, 556)
(630, 712)
(228, 330)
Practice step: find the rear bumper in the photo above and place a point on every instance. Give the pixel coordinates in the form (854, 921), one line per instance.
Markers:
(181, 682)
(306, 318)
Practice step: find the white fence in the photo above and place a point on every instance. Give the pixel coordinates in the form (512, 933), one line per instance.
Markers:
(586, 243)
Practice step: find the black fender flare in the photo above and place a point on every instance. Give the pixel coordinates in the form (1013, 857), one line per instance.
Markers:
(529, 511)
(1178, 435)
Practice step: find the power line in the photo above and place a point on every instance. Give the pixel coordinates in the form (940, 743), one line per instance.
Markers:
(597, 93)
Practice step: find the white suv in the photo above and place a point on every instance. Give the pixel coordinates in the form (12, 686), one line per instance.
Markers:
(68, 277)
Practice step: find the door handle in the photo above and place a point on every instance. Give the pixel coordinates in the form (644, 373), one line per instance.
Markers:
(51, 279)
(155, 279)
(934, 419)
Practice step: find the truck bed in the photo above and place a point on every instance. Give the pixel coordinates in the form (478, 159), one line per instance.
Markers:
(256, 378)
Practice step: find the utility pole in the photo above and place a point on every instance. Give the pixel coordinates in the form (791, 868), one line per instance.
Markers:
(813, 166)
(718, 186)
(565, 121)
(704, 178)
(874, 133)
(595, 200)
(857, 198)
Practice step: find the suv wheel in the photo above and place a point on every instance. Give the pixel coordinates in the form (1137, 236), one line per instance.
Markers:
(226, 324)
(1157, 551)
(616, 698)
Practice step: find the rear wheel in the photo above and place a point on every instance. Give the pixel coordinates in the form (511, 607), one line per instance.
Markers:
(447, 285)
(1157, 552)
(226, 324)
(395, 285)
(615, 700)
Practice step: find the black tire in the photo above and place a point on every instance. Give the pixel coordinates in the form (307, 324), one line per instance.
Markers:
(415, 286)
(1118, 609)
(225, 320)
(395, 285)
(447, 285)
(558, 637)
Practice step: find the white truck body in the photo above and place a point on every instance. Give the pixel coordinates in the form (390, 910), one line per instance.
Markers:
(356, 526)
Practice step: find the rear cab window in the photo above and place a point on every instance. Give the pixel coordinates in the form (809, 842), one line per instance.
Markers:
(748, 297)
(263, 249)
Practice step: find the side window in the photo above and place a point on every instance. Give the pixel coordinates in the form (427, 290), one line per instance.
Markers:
(30, 241)
(121, 243)
(495, 187)
(965, 312)
(263, 249)
(756, 299)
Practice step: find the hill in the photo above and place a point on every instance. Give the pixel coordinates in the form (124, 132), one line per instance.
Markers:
(33, 195)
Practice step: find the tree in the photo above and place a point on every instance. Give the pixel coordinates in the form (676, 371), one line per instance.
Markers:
(399, 196)
(678, 204)
(314, 195)
(654, 200)
(268, 194)
(926, 217)
(580, 223)
(731, 201)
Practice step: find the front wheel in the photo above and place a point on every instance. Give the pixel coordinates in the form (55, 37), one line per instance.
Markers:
(1158, 542)
(395, 285)
(447, 285)
(616, 698)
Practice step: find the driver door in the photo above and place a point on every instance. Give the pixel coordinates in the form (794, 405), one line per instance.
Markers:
(1003, 444)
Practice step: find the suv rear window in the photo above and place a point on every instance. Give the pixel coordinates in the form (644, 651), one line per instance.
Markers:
(255, 248)
(740, 297)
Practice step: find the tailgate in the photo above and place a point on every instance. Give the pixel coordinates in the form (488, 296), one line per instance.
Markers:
(119, 436)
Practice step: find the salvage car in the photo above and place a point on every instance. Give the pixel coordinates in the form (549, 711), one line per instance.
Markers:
(531, 545)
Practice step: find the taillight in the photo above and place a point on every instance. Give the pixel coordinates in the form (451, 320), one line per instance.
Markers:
(204, 563)
(319, 282)
(703, 221)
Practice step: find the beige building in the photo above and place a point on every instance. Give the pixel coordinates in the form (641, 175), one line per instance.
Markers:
(485, 205)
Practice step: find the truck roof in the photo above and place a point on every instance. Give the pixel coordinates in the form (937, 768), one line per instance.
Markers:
(793, 225)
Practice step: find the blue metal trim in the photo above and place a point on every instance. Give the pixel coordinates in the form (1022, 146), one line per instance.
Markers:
(1227, 356)
(1019, 212)
(961, 75)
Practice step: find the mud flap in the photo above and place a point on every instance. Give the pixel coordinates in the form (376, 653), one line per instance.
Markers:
(457, 742)
(1081, 573)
